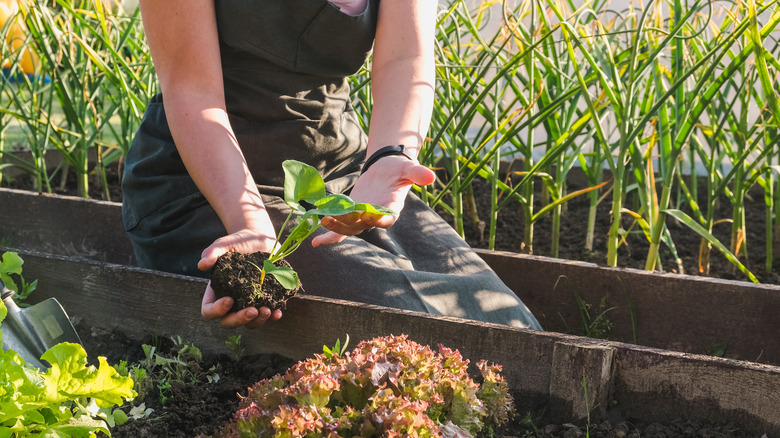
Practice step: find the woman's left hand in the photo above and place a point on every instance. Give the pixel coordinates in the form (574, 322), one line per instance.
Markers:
(385, 183)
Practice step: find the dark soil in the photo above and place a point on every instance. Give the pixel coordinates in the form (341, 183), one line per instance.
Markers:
(194, 404)
(239, 276)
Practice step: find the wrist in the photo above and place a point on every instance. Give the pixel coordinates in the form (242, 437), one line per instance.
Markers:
(250, 216)
(392, 150)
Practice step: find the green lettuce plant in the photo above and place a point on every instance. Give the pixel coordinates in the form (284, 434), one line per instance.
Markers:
(70, 399)
(389, 386)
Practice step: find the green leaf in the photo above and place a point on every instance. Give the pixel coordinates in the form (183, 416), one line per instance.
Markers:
(283, 274)
(81, 427)
(333, 205)
(70, 378)
(375, 209)
(301, 182)
(693, 225)
(120, 417)
(10, 263)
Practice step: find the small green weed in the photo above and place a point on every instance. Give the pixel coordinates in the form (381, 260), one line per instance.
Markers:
(718, 350)
(160, 371)
(11, 275)
(529, 427)
(337, 350)
(596, 324)
(234, 347)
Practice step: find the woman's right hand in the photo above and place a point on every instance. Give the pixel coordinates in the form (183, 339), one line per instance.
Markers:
(245, 241)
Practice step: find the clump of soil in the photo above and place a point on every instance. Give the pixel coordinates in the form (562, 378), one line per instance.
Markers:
(238, 275)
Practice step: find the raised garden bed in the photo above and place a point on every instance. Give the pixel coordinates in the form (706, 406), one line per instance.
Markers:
(77, 250)
(641, 383)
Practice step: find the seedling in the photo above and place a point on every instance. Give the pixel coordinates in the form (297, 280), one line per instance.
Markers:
(161, 371)
(244, 276)
(337, 350)
(233, 345)
(11, 264)
(304, 192)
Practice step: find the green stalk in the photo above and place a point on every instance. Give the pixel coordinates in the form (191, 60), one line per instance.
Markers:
(594, 170)
(494, 201)
(527, 245)
(775, 243)
(768, 219)
(738, 243)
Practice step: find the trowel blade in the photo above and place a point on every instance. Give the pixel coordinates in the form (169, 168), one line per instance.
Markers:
(11, 341)
(50, 323)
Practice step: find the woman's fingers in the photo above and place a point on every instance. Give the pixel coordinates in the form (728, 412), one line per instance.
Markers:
(262, 318)
(328, 238)
(250, 317)
(420, 175)
(338, 229)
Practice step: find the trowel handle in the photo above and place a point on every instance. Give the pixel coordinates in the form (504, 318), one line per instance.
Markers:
(6, 292)
(7, 297)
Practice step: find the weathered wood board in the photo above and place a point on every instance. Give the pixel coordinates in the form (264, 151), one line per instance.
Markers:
(64, 225)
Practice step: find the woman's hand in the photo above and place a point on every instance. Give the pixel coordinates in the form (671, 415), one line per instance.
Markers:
(385, 183)
(245, 241)
(249, 317)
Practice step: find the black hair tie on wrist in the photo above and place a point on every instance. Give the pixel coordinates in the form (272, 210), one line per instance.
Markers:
(384, 152)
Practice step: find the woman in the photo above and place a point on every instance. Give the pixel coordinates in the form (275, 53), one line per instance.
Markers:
(247, 84)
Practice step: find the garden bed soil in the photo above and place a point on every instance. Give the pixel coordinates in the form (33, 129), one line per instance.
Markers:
(201, 407)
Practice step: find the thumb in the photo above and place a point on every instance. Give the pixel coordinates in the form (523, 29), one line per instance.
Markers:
(328, 238)
(209, 256)
(420, 175)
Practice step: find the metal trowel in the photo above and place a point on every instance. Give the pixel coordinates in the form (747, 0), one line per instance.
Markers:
(33, 330)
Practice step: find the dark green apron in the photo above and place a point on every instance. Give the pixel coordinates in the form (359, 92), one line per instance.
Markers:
(285, 64)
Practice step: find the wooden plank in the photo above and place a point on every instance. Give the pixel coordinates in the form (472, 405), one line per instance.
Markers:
(674, 312)
(659, 385)
(581, 380)
(64, 225)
